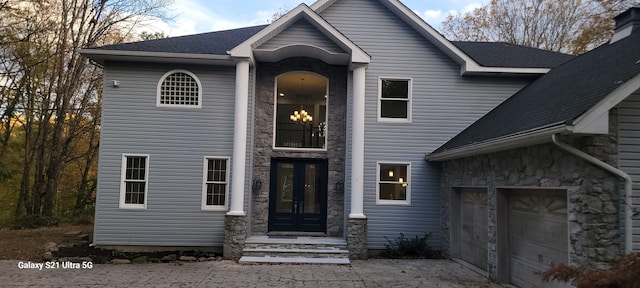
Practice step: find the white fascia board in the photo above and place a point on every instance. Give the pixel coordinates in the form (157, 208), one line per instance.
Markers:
(427, 31)
(472, 68)
(320, 5)
(595, 116)
(245, 49)
(527, 138)
(100, 55)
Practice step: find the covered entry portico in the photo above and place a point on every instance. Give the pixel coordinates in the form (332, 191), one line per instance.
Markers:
(299, 44)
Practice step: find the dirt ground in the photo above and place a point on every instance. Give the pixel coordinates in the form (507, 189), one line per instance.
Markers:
(28, 244)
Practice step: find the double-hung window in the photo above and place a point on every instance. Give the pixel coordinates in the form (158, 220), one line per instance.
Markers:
(215, 191)
(394, 101)
(394, 184)
(179, 88)
(133, 187)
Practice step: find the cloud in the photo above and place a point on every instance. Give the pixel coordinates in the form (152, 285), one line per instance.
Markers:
(433, 16)
(468, 8)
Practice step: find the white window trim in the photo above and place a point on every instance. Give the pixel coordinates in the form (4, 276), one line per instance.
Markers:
(123, 173)
(159, 86)
(406, 202)
(275, 112)
(204, 206)
(409, 100)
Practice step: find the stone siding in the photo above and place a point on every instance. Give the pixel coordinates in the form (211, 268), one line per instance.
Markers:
(357, 239)
(593, 194)
(235, 234)
(266, 74)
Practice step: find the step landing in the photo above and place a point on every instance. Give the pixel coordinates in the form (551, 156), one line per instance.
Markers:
(295, 249)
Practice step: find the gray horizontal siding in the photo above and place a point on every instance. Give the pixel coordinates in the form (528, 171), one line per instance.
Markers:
(444, 103)
(176, 140)
(629, 149)
(301, 32)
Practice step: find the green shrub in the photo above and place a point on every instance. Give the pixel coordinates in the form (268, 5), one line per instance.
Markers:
(34, 221)
(624, 272)
(118, 253)
(413, 248)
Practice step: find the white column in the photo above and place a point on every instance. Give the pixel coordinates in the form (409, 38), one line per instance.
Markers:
(239, 139)
(357, 144)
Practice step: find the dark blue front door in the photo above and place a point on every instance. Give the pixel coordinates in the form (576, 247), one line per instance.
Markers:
(298, 195)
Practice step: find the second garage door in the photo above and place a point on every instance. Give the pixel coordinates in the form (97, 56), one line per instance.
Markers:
(537, 234)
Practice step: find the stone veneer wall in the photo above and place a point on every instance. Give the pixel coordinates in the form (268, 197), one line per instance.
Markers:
(235, 234)
(266, 74)
(593, 194)
(357, 239)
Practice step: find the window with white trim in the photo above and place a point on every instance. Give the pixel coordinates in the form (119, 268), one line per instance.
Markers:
(394, 101)
(133, 187)
(393, 184)
(179, 88)
(215, 191)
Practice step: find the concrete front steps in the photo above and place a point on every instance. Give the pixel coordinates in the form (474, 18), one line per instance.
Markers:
(295, 249)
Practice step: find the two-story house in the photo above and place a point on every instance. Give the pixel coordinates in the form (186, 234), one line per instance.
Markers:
(310, 130)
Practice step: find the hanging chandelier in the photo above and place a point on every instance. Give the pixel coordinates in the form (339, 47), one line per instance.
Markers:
(301, 116)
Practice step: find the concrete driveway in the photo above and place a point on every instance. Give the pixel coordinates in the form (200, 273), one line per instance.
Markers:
(371, 273)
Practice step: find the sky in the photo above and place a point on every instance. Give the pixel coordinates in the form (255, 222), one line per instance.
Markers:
(199, 16)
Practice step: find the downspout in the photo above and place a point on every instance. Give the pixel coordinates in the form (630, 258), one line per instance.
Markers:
(627, 187)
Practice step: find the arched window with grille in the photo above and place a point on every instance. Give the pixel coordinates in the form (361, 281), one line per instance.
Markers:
(179, 88)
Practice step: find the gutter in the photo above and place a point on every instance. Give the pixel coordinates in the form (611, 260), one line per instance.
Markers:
(105, 52)
(530, 137)
(100, 55)
(628, 188)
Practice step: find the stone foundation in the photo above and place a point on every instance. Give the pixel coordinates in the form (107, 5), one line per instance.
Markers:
(357, 239)
(235, 234)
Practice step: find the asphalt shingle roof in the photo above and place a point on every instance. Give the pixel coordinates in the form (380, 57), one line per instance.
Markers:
(502, 54)
(561, 95)
(488, 54)
(216, 43)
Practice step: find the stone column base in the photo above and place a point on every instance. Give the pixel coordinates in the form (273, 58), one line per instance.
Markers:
(235, 233)
(357, 239)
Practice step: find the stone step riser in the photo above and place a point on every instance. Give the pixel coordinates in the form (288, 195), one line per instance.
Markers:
(292, 260)
(295, 254)
(294, 246)
(295, 250)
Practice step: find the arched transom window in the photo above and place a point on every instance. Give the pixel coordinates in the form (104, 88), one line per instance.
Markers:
(179, 88)
(301, 111)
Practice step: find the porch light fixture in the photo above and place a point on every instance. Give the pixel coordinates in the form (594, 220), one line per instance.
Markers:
(303, 116)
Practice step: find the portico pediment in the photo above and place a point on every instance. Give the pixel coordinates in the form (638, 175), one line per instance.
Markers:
(301, 33)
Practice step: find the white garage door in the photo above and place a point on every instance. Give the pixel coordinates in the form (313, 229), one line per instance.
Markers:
(473, 226)
(538, 234)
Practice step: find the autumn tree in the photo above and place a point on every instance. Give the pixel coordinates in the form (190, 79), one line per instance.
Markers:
(50, 94)
(144, 35)
(569, 26)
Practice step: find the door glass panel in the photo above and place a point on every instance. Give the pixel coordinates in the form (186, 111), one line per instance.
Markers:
(311, 189)
(284, 188)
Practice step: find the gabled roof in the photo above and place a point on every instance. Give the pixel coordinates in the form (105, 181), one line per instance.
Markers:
(572, 98)
(502, 54)
(469, 66)
(302, 11)
(214, 47)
